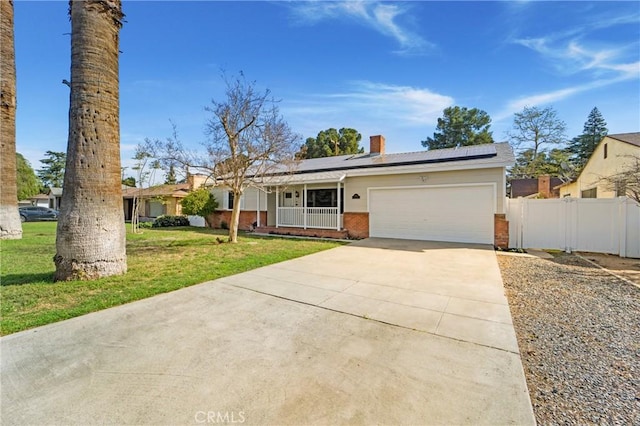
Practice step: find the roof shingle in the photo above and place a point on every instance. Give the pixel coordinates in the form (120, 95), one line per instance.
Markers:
(632, 138)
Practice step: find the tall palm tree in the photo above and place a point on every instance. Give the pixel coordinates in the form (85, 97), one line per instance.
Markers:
(10, 225)
(91, 234)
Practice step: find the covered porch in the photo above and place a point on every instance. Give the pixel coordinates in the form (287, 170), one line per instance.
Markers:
(312, 201)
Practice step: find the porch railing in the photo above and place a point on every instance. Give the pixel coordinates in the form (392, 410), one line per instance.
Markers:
(316, 217)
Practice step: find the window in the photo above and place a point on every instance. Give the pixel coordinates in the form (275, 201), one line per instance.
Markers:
(287, 195)
(605, 150)
(590, 193)
(621, 189)
(230, 201)
(325, 198)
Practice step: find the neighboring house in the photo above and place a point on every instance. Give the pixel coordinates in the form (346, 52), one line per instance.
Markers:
(544, 186)
(55, 197)
(155, 201)
(453, 195)
(161, 199)
(40, 200)
(611, 156)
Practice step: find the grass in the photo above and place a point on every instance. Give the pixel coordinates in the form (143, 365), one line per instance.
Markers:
(159, 261)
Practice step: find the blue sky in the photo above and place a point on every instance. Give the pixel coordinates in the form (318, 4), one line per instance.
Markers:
(385, 68)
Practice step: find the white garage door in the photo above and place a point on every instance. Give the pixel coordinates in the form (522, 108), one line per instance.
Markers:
(443, 213)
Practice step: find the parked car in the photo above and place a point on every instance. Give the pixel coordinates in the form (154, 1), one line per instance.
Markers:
(34, 213)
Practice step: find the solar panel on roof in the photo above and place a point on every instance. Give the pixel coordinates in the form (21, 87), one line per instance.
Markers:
(344, 162)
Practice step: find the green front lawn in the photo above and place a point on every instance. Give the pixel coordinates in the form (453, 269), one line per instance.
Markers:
(159, 260)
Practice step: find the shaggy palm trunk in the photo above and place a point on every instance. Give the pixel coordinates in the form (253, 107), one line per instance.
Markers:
(10, 225)
(91, 232)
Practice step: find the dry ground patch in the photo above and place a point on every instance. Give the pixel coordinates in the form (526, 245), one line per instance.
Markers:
(579, 339)
(624, 266)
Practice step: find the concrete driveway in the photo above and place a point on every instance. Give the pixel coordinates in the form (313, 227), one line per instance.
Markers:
(375, 332)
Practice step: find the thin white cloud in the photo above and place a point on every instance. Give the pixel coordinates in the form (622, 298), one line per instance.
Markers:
(574, 56)
(574, 53)
(367, 106)
(518, 104)
(411, 105)
(381, 17)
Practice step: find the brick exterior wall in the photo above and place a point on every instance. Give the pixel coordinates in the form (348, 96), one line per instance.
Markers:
(318, 233)
(245, 222)
(357, 224)
(501, 231)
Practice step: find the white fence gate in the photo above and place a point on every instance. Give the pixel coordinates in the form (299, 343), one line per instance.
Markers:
(610, 225)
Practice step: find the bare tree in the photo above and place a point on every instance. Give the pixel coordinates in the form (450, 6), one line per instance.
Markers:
(535, 127)
(90, 239)
(10, 226)
(247, 140)
(145, 168)
(627, 181)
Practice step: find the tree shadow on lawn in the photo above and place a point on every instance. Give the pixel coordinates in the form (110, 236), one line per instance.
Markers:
(196, 229)
(210, 231)
(20, 279)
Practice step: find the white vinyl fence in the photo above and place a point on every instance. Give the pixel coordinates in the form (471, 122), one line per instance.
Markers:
(196, 221)
(603, 225)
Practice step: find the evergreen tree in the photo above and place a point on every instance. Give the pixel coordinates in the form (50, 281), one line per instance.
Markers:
(531, 165)
(129, 181)
(595, 128)
(460, 127)
(332, 142)
(171, 176)
(52, 174)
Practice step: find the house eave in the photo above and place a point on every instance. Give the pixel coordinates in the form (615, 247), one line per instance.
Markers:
(299, 178)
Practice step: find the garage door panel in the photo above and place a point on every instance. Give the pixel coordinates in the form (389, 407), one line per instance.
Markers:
(455, 214)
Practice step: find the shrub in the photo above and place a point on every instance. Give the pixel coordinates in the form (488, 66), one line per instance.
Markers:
(166, 221)
(224, 225)
(145, 224)
(200, 202)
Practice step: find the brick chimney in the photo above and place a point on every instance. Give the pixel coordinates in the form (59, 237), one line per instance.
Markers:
(376, 145)
(544, 186)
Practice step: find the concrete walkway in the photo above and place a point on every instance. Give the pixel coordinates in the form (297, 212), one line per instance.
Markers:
(376, 332)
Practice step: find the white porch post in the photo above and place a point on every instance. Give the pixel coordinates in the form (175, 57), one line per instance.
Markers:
(258, 206)
(304, 205)
(338, 211)
(277, 204)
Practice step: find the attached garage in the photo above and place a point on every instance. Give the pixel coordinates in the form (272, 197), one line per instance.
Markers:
(454, 213)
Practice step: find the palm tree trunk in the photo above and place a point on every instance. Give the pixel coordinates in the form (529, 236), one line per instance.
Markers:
(91, 232)
(10, 225)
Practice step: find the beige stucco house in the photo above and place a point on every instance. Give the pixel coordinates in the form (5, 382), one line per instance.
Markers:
(453, 194)
(613, 155)
(160, 200)
(155, 201)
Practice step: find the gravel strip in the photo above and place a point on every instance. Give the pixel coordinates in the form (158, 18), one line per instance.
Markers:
(578, 330)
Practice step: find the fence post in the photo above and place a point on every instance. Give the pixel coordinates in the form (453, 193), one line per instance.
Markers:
(622, 226)
(523, 225)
